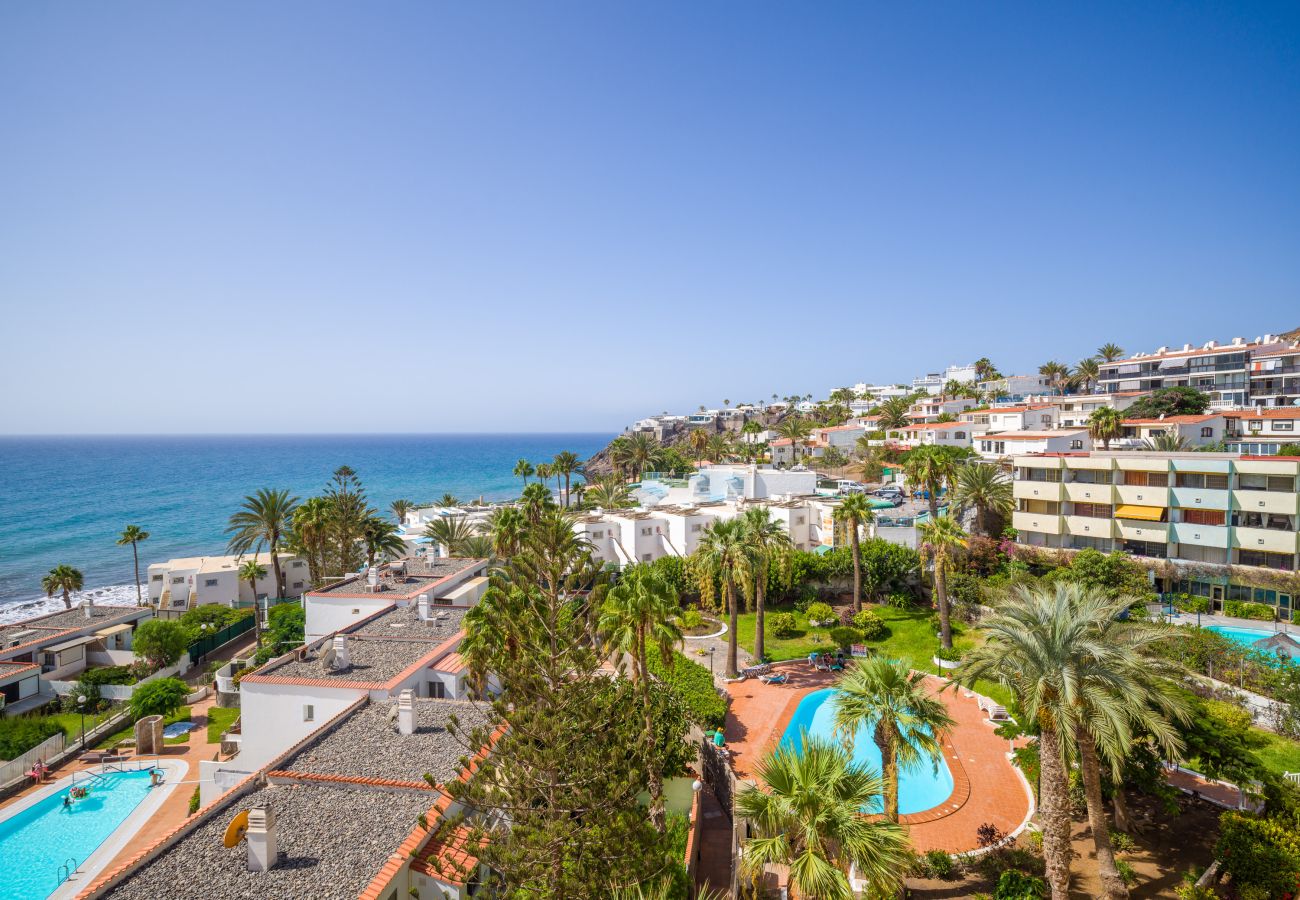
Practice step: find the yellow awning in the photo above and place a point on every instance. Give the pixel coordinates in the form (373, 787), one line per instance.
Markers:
(1145, 513)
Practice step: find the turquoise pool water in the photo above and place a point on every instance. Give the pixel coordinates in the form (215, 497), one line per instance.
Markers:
(36, 841)
(1246, 637)
(920, 787)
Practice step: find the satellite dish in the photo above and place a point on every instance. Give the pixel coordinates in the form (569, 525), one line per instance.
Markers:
(327, 659)
(236, 830)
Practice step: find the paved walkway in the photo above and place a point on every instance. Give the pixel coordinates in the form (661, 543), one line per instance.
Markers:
(987, 788)
(714, 868)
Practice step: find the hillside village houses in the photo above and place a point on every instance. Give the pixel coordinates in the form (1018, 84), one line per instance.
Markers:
(179, 584)
(1263, 430)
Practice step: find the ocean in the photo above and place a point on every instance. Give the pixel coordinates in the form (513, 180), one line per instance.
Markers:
(66, 499)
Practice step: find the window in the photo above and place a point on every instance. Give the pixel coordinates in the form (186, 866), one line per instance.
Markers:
(1207, 432)
(296, 564)
(697, 528)
(309, 713)
(179, 580)
(1203, 516)
(1076, 445)
(959, 435)
(798, 520)
(646, 532)
(1255, 425)
(1093, 510)
(437, 690)
(1284, 425)
(356, 612)
(645, 557)
(1267, 560)
(157, 577)
(297, 584)
(442, 601)
(597, 535)
(1199, 480)
(211, 582)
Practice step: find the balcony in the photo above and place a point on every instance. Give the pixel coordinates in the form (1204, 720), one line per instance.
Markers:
(1133, 530)
(1281, 502)
(1038, 490)
(1043, 523)
(1199, 498)
(1090, 493)
(1142, 495)
(1200, 535)
(1086, 526)
(1269, 540)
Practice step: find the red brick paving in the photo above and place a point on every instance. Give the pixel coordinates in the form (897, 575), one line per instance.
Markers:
(987, 788)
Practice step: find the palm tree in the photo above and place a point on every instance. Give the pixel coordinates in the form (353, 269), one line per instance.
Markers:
(795, 429)
(133, 535)
(1105, 424)
(909, 725)
(63, 579)
(400, 508)
(1166, 441)
(448, 500)
(535, 500)
(478, 546)
(636, 452)
(451, 532)
(720, 447)
(1056, 374)
(1087, 372)
(566, 463)
(251, 571)
(952, 388)
(930, 468)
(639, 612)
(810, 819)
(855, 511)
(941, 540)
(608, 493)
(987, 489)
(772, 550)
(894, 413)
(1110, 352)
(985, 370)
(523, 468)
(381, 538)
(725, 556)
(698, 441)
(506, 526)
(309, 535)
(1081, 677)
(263, 520)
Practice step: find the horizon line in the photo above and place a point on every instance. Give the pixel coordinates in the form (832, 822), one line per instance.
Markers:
(188, 434)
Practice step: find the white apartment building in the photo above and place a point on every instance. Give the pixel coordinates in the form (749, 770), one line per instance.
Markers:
(1197, 431)
(1015, 443)
(1014, 386)
(1224, 371)
(1040, 416)
(933, 382)
(1275, 376)
(939, 434)
(1215, 510)
(1263, 430)
(1073, 410)
(196, 580)
(927, 409)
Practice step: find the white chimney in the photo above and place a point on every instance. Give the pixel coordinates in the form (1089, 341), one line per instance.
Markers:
(1186, 347)
(372, 579)
(1237, 342)
(342, 657)
(86, 606)
(1160, 350)
(1210, 345)
(406, 712)
(422, 607)
(263, 850)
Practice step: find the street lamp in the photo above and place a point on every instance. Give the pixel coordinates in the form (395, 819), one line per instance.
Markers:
(81, 705)
(711, 672)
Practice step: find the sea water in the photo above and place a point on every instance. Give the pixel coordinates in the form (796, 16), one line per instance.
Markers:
(66, 499)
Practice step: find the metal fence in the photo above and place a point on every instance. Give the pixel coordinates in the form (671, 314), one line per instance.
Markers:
(46, 749)
(206, 644)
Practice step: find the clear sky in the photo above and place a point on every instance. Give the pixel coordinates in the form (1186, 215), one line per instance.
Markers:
(419, 216)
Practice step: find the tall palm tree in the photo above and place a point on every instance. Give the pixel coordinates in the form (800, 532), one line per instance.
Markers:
(720, 447)
(608, 493)
(941, 540)
(451, 532)
(810, 819)
(523, 469)
(908, 724)
(794, 429)
(1087, 372)
(698, 441)
(1168, 442)
(63, 579)
(263, 520)
(952, 388)
(535, 500)
(986, 488)
(639, 612)
(381, 538)
(931, 468)
(985, 370)
(251, 571)
(1105, 424)
(566, 463)
(449, 500)
(855, 511)
(506, 527)
(1110, 352)
(635, 453)
(772, 552)
(725, 557)
(400, 508)
(310, 532)
(478, 546)
(1056, 373)
(894, 413)
(1082, 678)
(133, 535)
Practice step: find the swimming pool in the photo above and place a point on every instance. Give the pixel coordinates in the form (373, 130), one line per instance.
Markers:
(1243, 636)
(36, 841)
(920, 787)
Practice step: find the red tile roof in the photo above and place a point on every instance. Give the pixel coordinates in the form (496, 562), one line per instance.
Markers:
(1265, 412)
(1175, 420)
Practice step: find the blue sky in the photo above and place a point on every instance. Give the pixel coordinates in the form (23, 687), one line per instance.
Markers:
(551, 216)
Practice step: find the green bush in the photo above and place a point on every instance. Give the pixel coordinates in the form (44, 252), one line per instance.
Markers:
(194, 801)
(108, 675)
(1244, 609)
(782, 624)
(159, 698)
(1126, 871)
(1014, 885)
(939, 864)
(819, 612)
(900, 600)
(693, 686)
(18, 735)
(1264, 853)
(870, 625)
(844, 636)
(161, 641)
(1122, 842)
(1190, 603)
(692, 618)
(948, 654)
(214, 615)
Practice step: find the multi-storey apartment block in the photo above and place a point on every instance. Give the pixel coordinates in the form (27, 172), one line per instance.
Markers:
(1224, 371)
(1213, 510)
(1275, 376)
(1263, 430)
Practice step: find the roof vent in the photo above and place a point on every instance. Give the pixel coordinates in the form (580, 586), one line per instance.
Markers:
(406, 712)
(422, 607)
(1186, 347)
(263, 849)
(1162, 350)
(1237, 342)
(1209, 345)
(342, 654)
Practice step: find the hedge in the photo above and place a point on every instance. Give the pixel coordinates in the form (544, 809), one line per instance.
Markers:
(692, 684)
(17, 735)
(1241, 609)
(108, 675)
(1260, 852)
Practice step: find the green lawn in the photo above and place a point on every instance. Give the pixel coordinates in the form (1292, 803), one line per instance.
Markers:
(219, 721)
(70, 722)
(910, 637)
(1280, 755)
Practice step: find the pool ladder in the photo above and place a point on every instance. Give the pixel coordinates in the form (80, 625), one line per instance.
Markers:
(67, 869)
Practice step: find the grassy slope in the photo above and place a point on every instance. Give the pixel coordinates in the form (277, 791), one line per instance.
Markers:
(219, 721)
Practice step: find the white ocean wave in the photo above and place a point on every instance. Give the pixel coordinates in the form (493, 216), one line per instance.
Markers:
(114, 595)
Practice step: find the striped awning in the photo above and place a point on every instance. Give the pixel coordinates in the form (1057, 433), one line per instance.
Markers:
(1144, 513)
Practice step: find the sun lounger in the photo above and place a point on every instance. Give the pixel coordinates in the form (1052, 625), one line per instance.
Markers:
(777, 678)
(998, 713)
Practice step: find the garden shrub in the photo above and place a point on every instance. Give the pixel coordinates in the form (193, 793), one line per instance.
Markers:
(1189, 603)
(939, 864)
(108, 675)
(871, 626)
(782, 624)
(1126, 871)
(194, 801)
(1244, 609)
(18, 735)
(1264, 853)
(900, 600)
(803, 596)
(1014, 885)
(692, 684)
(844, 637)
(692, 618)
(159, 698)
(819, 612)
(1122, 842)
(161, 641)
(948, 654)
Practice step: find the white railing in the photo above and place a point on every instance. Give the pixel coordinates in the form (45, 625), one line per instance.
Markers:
(1292, 776)
(46, 749)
